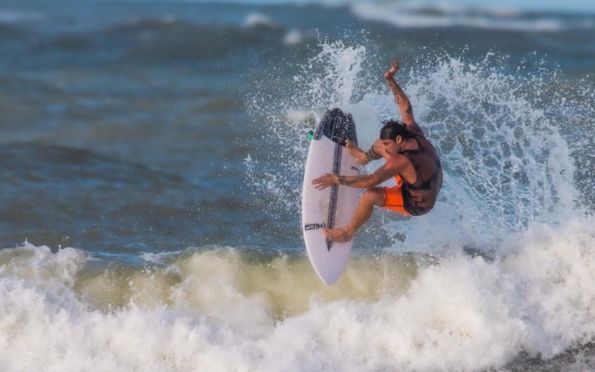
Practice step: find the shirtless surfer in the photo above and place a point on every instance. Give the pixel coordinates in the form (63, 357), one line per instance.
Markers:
(410, 159)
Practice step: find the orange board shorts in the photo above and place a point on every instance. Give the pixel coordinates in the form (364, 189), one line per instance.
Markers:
(393, 198)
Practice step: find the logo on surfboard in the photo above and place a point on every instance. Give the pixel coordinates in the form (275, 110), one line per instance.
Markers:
(314, 226)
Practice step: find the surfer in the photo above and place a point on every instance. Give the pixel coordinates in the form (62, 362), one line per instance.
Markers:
(409, 157)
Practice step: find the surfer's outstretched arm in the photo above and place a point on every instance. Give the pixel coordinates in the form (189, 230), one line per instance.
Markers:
(360, 182)
(390, 169)
(401, 98)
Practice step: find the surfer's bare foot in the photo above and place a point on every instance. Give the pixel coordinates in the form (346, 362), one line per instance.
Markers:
(338, 235)
(357, 153)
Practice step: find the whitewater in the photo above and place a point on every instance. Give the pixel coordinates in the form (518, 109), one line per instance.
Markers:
(216, 310)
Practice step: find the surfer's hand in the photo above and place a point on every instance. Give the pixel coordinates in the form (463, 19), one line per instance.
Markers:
(325, 181)
(394, 67)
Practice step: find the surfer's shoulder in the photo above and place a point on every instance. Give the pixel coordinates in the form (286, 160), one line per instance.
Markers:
(396, 162)
(414, 128)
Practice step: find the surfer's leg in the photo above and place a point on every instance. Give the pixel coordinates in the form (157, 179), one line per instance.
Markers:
(369, 199)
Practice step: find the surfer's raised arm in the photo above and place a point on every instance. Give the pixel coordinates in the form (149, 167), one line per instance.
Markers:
(375, 152)
(401, 98)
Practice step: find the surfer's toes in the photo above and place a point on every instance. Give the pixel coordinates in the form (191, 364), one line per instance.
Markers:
(338, 235)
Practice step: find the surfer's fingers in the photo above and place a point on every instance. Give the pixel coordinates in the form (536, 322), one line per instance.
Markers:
(317, 183)
(321, 185)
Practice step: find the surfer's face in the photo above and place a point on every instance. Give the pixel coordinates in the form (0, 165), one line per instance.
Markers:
(391, 147)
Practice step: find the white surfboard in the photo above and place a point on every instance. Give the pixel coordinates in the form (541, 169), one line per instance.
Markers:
(335, 205)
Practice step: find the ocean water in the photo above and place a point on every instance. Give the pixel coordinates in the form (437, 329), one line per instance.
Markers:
(151, 156)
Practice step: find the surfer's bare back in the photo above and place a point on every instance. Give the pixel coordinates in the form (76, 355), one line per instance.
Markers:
(409, 157)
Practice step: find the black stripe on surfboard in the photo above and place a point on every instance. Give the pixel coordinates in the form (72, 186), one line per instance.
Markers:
(332, 208)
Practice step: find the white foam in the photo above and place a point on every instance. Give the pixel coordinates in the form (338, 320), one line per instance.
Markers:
(460, 314)
(340, 66)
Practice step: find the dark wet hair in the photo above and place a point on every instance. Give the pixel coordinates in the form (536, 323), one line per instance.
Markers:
(392, 129)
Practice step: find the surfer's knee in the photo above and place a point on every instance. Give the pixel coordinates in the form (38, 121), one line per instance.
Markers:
(372, 197)
(368, 196)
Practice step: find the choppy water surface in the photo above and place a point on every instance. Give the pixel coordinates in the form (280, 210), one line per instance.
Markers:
(163, 144)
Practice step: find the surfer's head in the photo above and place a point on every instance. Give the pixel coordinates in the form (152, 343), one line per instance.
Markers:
(392, 134)
(392, 129)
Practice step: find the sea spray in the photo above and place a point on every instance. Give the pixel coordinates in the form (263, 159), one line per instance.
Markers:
(332, 77)
(506, 163)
